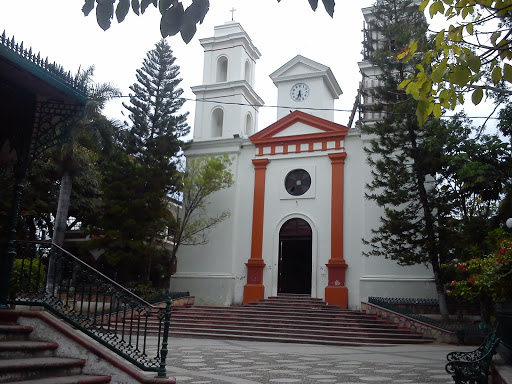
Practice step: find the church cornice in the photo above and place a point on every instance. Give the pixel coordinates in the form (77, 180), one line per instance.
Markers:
(238, 87)
(330, 136)
(234, 40)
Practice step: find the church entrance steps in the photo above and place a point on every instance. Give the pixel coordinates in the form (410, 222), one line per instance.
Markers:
(291, 319)
(24, 360)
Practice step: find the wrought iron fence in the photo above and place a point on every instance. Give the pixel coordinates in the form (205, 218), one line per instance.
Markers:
(45, 274)
(393, 304)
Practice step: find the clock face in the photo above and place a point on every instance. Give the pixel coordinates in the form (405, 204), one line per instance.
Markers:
(299, 92)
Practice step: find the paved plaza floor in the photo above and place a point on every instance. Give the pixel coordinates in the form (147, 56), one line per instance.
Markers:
(202, 361)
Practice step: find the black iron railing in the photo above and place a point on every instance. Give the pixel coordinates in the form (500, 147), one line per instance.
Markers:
(44, 274)
(393, 304)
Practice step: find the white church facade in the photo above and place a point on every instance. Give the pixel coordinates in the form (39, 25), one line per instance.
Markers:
(297, 206)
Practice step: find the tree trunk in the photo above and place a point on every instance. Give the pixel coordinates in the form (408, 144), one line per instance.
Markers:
(441, 296)
(62, 209)
(59, 229)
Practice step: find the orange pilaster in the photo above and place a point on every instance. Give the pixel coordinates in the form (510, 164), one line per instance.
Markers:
(254, 290)
(336, 292)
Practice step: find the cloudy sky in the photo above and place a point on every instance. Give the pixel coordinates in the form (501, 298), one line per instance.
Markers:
(58, 29)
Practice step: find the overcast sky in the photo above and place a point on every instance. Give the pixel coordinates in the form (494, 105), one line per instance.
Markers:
(58, 29)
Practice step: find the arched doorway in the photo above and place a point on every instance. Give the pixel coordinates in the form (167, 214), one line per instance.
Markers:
(295, 251)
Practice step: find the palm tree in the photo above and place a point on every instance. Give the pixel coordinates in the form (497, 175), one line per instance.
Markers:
(96, 130)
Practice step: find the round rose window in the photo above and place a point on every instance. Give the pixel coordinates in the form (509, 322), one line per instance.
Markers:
(297, 182)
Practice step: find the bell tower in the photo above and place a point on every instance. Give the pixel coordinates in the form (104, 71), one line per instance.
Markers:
(227, 103)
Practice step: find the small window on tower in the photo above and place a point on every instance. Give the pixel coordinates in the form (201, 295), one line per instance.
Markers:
(217, 122)
(222, 69)
(248, 125)
(248, 72)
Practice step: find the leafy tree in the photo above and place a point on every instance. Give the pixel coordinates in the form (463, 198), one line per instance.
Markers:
(471, 55)
(190, 223)
(486, 279)
(137, 181)
(175, 18)
(474, 172)
(98, 128)
(401, 154)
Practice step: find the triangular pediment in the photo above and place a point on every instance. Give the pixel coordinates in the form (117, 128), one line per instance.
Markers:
(299, 126)
(299, 65)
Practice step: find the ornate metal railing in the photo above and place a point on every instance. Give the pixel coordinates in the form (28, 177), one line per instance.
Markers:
(44, 274)
(393, 305)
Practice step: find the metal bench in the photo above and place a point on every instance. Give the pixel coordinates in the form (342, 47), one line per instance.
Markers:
(473, 367)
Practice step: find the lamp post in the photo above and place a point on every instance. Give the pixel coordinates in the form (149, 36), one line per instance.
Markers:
(508, 223)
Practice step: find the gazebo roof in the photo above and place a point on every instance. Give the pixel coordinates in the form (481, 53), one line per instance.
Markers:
(22, 68)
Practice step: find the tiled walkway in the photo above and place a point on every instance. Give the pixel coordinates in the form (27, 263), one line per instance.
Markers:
(197, 361)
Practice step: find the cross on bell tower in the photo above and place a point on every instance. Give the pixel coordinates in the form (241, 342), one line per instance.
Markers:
(232, 13)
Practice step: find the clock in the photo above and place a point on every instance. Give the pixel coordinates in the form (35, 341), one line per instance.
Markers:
(299, 92)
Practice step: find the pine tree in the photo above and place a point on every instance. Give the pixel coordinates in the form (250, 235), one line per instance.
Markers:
(402, 158)
(144, 172)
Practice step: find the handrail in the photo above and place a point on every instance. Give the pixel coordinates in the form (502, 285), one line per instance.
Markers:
(85, 265)
(91, 302)
(392, 304)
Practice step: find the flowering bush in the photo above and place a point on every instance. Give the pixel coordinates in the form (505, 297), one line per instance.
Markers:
(490, 275)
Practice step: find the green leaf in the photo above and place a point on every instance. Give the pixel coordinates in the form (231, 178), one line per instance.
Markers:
(187, 31)
(196, 12)
(460, 75)
(104, 13)
(329, 7)
(435, 8)
(144, 4)
(88, 7)
(136, 6)
(437, 111)
(163, 5)
(403, 84)
(422, 111)
(423, 5)
(122, 10)
(172, 20)
(474, 62)
(496, 75)
(477, 95)
(439, 39)
(438, 72)
(469, 28)
(495, 36)
(507, 72)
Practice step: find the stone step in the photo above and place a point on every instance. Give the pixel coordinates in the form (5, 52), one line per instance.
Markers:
(14, 332)
(299, 331)
(26, 348)
(272, 337)
(38, 368)
(275, 316)
(275, 312)
(309, 327)
(76, 379)
(281, 322)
